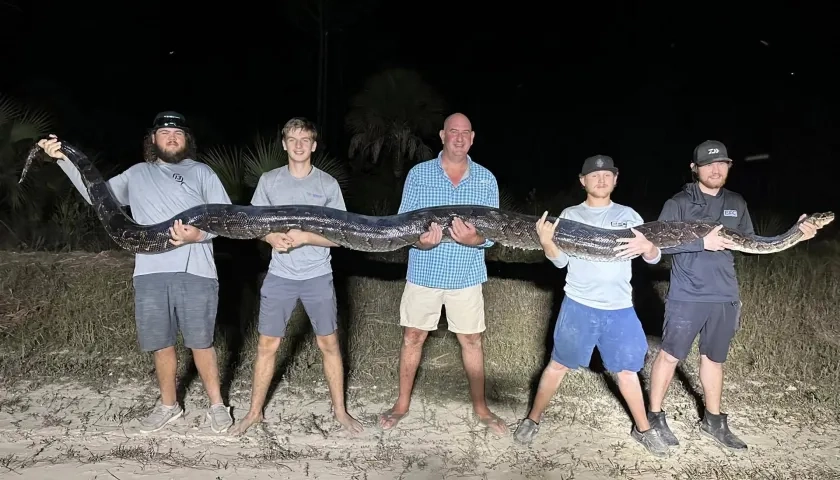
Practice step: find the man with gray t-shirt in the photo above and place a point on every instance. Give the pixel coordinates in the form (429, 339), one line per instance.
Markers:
(597, 309)
(300, 269)
(177, 290)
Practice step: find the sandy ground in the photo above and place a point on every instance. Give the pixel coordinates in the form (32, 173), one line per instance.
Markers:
(65, 431)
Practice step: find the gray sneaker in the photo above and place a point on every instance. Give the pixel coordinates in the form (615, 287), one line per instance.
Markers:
(160, 417)
(526, 431)
(651, 440)
(219, 418)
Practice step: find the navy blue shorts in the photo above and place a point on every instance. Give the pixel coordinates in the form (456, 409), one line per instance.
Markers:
(618, 334)
(716, 322)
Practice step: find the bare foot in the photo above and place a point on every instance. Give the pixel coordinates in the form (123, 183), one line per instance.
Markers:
(496, 425)
(245, 424)
(390, 418)
(349, 423)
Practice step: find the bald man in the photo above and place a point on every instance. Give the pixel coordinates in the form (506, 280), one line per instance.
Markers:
(449, 274)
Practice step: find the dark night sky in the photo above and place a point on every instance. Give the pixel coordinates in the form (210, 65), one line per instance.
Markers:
(545, 86)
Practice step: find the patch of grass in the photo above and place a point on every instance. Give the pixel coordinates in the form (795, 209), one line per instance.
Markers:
(71, 315)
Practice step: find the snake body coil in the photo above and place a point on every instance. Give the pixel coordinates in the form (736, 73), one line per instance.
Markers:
(393, 232)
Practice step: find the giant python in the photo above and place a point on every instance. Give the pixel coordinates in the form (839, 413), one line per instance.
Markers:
(393, 232)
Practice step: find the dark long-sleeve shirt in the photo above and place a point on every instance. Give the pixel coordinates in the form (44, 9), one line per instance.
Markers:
(699, 275)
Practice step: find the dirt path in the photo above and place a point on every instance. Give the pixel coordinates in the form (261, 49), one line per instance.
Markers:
(69, 432)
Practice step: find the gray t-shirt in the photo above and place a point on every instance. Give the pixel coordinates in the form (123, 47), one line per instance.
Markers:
(279, 187)
(157, 192)
(603, 285)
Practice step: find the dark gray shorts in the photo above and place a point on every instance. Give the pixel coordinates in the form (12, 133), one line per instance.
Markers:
(279, 298)
(716, 322)
(165, 303)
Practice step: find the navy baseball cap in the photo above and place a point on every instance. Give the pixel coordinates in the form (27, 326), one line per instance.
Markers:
(596, 163)
(710, 151)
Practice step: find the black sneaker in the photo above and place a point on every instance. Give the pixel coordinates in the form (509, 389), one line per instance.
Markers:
(658, 423)
(716, 427)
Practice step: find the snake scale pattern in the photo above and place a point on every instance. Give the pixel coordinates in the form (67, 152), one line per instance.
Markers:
(393, 232)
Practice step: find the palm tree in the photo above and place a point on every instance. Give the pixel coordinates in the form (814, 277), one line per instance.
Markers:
(240, 169)
(20, 127)
(392, 115)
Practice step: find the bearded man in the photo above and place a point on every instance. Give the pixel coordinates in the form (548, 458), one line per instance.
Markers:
(703, 296)
(177, 290)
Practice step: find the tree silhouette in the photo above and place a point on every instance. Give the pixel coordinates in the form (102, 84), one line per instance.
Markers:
(392, 115)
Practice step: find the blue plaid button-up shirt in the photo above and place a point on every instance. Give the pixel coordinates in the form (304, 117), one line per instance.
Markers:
(449, 265)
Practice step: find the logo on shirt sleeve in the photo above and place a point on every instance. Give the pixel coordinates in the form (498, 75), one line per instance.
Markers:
(730, 213)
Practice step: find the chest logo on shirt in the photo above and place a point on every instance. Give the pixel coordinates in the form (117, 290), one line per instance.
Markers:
(730, 213)
(619, 224)
(178, 178)
(315, 195)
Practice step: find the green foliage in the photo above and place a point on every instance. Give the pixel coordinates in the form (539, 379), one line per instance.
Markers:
(20, 127)
(392, 115)
(44, 212)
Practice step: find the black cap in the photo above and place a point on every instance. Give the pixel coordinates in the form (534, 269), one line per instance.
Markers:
(170, 119)
(596, 163)
(710, 151)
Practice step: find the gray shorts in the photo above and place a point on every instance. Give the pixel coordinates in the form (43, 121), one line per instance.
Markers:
(278, 299)
(716, 322)
(165, 303)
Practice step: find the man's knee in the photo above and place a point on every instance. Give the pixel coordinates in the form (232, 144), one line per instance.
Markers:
(414, 337)
(469, 340)
(625, 376)
(267, 345)
(328, 344)
(555, 367)
(705, 360)
(666, 357)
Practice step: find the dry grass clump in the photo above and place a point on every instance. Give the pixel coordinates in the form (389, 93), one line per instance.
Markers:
(72, 315)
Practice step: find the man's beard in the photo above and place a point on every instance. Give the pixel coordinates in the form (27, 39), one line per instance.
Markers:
(714, 182)
(170, 157)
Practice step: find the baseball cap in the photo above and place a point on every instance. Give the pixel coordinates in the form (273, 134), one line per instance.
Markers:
(170, 119)
(710, 151)
(596, 163)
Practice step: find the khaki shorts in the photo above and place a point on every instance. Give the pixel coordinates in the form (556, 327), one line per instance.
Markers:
(420, 308)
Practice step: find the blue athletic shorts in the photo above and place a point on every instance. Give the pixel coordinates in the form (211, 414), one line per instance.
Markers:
(618, 334)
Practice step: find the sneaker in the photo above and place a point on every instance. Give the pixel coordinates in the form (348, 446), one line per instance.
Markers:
(651, 440)
(717, 427)
(657, 422)
(161, 416)
(526, 431)
(219, 418)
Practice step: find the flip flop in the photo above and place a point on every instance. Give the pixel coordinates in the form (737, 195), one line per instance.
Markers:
(389, 415)
(494, 419)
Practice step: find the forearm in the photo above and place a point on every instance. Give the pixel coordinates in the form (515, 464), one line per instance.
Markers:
(652, 256)
(693, 247)
(558, 258)
(75, 177)
(318, 240)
